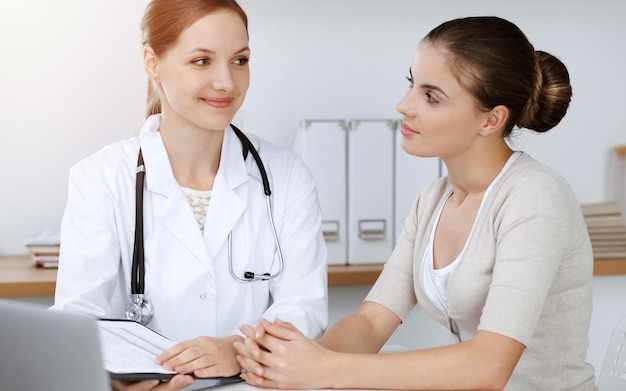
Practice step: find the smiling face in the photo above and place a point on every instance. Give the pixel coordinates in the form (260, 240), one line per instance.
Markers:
(203, 78)
(440, 117)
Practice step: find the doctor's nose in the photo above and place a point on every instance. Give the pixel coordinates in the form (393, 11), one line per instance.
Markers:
(223, 79)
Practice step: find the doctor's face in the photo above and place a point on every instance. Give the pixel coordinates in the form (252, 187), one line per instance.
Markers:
(203, 78)
(440, 117)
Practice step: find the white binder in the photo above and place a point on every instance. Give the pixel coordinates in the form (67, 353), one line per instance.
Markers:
(322, 145)
(370, 190)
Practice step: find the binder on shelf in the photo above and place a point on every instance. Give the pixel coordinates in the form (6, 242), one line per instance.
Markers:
(366, 184)
(322, 145)
(370, 190)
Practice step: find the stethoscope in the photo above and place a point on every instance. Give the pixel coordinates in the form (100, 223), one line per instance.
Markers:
(141, 310)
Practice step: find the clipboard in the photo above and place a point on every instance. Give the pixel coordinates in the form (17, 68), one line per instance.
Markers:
(129, 350)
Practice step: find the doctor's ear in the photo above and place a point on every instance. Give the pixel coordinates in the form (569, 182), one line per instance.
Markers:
(150, 63)
(495, 120)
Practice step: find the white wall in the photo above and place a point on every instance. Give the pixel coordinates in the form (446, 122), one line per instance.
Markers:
(71, 81)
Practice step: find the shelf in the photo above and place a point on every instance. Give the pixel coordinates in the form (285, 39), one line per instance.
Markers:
(606, 267)
(19, 278)
(341, 275)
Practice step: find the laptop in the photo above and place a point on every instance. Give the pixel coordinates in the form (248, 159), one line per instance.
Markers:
(47, 350)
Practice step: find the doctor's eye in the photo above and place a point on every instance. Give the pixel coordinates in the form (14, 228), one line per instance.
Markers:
(242, 61)
(201, 61)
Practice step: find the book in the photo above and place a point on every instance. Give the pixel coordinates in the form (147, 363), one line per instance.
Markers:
(44, 249)
(609, 208)
(606, 225)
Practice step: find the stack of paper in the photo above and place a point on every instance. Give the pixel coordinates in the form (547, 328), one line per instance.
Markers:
(607, 229)
(43, 249)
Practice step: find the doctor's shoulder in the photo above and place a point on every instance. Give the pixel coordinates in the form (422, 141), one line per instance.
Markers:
(109, 163)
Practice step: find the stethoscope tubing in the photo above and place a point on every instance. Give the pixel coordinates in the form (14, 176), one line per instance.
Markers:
(138, 266)
(250, 276)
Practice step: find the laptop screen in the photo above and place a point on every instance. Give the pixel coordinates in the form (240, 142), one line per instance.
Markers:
(47, 350)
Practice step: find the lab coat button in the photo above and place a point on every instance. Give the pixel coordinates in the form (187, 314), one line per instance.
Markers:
(203, 296)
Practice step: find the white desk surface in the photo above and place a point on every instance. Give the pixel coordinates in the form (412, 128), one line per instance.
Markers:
(246, 387)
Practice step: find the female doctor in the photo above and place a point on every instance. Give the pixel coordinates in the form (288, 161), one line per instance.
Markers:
(213, 240)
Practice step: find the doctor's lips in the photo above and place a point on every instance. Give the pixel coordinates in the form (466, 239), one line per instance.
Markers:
(220, 103)
(407, 131)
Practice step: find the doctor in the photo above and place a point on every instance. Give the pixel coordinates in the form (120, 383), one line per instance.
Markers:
(208, 222)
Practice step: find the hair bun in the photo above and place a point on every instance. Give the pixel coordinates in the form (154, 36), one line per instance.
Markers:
(551, 95)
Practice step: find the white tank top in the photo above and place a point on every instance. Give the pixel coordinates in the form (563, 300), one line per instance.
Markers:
(435, 281)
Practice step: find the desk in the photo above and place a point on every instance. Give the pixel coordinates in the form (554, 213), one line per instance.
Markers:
(18, 278)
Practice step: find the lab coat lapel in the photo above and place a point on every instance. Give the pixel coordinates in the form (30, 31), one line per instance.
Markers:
(228, 198)
(171, 207)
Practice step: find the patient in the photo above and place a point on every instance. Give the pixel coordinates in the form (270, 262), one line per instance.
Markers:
(497, 251)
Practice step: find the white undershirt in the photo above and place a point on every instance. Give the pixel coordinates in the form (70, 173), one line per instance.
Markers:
(435, 281)
(199, 201)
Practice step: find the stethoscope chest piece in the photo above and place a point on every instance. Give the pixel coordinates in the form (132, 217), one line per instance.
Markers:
(140, 310)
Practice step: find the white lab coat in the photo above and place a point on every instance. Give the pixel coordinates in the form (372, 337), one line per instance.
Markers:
(187, 278)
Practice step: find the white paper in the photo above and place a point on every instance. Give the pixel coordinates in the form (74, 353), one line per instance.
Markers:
(128, 347)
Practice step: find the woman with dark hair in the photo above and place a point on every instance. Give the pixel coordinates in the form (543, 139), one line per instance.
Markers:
(185, 227)
(497, 251)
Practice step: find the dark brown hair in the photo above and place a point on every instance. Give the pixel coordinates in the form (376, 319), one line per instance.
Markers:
(493, 60)
(165, 20)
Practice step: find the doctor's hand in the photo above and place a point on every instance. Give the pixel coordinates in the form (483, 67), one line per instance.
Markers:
(277, 355)
(178, 382)
(202, 356)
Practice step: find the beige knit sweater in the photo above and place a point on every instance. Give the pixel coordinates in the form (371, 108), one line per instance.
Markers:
(526, 274)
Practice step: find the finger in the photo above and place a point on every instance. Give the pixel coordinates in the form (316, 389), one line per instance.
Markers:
(252, 343)
(251, 348)
(250, 365)
(281, 330)
(190, 355)
(248, 331)
(267, 343)
(259, 329)
(258, 381)
(285, 324)
(170, 353)
(241, 349)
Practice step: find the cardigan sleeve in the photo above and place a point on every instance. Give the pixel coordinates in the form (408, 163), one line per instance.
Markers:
(394, 287)
(540, 233)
